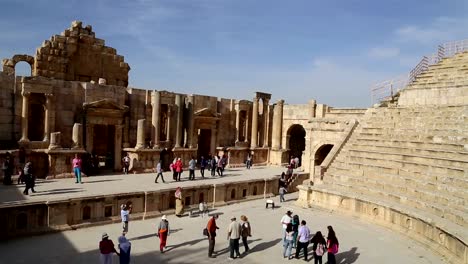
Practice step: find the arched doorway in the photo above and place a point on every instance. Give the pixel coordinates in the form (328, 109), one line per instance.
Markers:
(322, 153)
(36, 115)
(296, 141)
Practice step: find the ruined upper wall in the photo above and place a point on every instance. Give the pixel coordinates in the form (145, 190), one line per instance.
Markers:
(75, 55)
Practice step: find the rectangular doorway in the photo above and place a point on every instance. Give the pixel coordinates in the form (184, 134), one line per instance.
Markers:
(103, 145)
(204, 142)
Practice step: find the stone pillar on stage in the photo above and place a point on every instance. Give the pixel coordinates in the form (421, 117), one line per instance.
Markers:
(180, 110)
(155, 117)
(254, 136)
(140, 134)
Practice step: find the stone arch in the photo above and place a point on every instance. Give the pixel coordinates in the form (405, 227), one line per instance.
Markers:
(321, 153)
(295, 141)
(9, 64)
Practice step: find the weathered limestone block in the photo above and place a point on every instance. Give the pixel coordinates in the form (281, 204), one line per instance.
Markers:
(77, 136)
(55, 139)
(140, 134)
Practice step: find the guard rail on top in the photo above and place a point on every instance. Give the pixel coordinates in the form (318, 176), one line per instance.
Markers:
(387, 89)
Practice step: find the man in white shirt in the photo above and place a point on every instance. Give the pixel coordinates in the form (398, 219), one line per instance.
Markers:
(234, 233)
(125, 215)
(303, 238)
(285, 220)
(192, 164)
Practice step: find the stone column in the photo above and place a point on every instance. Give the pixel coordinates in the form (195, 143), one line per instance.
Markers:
(191, 124)
(126, 143)
(155, 117)
(89, 137)
(140, 134)
(118, 147)
(277, 124)
(55, 139)
(312, 104)
(169, 120)
(246, 139)
(77, 136)
(179, 104)
(237, 121)
(266, 122)
(24, 118)
(254, 136)
(214, 131)
(47, 117)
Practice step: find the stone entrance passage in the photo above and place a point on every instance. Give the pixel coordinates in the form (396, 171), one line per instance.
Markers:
(204, 143)
(103, 145)
(296, 139)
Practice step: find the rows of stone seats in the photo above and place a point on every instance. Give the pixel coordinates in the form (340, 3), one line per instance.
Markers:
(451, 71)
(412, 158)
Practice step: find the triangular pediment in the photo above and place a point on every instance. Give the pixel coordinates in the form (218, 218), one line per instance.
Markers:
(105, 104)
(205, 112)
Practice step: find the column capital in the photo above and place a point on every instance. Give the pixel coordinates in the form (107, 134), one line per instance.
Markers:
(280, 102)
(255, 99)
(25, 94)
(49, 95)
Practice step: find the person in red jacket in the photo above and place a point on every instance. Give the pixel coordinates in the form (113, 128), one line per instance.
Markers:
(178, 167)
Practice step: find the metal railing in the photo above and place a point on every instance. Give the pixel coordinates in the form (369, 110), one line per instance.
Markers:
(387, 89)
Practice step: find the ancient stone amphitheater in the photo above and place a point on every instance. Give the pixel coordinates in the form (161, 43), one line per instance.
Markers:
(405, 165)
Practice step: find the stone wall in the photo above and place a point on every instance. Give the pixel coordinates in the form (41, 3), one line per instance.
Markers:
(7, 83)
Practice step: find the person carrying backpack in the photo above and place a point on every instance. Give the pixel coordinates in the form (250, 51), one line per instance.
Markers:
(319, 247)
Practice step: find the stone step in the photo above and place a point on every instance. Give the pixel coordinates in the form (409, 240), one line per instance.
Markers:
(405, 131)
(444, 139)
(406, 143)
(410, 157)
(440, 210)
(458, 231)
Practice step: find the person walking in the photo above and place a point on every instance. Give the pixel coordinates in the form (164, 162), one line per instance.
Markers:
(28, 178)
(282, 191)
(203, 164)
(303, 239)
(159, 172)
(288, 242)
(178, 168)
(7, 169)
(125, 216)
(295, 224)
(179, 210)
(107, 249)
(285, 220)
(246, 231)
(192, 164)
(173, 169)
(124, 250)
(234, 232)
(219, 166)
(318, 247)
(332, 245)
(213, 166)
(163, 232)
(126, 163)
(77, 162)
(211, 227)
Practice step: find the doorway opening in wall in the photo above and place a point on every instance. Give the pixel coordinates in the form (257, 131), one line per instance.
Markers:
(322, 153)
(296, 134)
(204, 142)
(166, 157)
(103, 147)
(36, 115)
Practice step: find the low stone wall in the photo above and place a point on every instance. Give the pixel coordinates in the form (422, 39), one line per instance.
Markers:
(420, 228)
(27, 218)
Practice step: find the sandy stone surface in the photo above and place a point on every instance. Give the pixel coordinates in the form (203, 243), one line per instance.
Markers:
(360, 242)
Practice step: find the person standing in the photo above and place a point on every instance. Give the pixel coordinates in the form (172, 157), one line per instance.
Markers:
(28, 178)
(248, 162)
(285, 220)
(303, 238)
(288, 242)
(163, 232)
(126, 163)
(107, 249)
(234, 231)
(159, 172)
(192, 164)
(282, 191)
(178, 168)
(296, 162)
(318, 247)
(295, 225)
(77, 162)
(213, 166)
(211, 227)
(125, 215)
(219, 164)
(179, 210)
(7, 169)
(332, 245)
(246, 231)
(124, 248)
(202, 166)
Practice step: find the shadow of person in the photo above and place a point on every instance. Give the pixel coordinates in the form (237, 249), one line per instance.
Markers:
(187, 243)
(264, 245)
(241, 246)
(347, 257)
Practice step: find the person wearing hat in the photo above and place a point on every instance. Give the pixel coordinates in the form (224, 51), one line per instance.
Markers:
(163, 232)
(285, 220)
(234, 232)
(125, 215)
(106, 247)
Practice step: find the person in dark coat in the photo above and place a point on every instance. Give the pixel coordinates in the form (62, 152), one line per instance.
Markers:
(28, 178)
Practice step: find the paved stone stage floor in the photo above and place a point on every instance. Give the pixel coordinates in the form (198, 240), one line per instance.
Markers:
(360, 242)
(58, 189)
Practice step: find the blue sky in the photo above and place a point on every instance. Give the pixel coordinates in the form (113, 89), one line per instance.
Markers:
(331, 51)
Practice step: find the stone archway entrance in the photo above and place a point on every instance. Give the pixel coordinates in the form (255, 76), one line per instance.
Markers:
(296, 141)
(205, 123)
(322, 153)
(204, 143)
(103, 132)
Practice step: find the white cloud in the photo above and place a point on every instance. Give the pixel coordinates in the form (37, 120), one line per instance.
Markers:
(383, 52)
